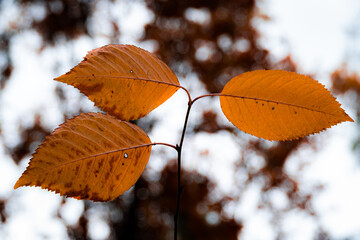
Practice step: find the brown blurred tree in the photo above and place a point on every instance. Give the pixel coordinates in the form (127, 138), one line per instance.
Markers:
(217, 46)
(346, 83)
(225, 34)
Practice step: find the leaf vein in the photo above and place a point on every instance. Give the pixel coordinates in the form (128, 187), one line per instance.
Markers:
(99, 154)
(278, 102)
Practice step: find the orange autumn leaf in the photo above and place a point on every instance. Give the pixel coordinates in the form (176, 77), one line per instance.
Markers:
(123, 80)
(279, 105)
(92, 156)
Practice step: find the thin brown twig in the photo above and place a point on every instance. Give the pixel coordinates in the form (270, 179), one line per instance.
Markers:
(179, 150)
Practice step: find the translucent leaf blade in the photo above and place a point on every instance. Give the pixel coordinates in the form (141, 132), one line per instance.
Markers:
(123, 80)
(92, 156)
(279, 105)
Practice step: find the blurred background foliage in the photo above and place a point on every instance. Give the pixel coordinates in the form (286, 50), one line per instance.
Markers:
(213, 39)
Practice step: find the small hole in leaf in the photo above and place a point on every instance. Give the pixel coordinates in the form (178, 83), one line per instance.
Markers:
(126, 155)
(131, 71)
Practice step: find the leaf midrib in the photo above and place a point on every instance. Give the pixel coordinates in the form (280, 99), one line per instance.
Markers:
(121, 77)
(100, 154)
(278, 102)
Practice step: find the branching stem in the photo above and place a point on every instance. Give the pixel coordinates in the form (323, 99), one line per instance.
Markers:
(165, 144)
(180, 188)
(179, 150)
(206, 95)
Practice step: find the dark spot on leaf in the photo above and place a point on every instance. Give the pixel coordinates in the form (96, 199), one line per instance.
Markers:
(78, 194)
(88, 164)
(100, 164)
(272, 108)
(89, 89)
(78, 152)
(107, 145)
(295, 112)
(123, 164)
(136, 160)
(112, 161)
(64, 135)
(77, 169)
(68, 185)
(112, 109)
(107, 176)
(95, 197)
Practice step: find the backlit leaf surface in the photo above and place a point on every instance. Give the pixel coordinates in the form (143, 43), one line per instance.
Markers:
(279, 105)
(123, 80)
(92, 156)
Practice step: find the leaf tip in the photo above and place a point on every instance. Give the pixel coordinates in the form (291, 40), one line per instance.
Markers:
(19, 183)
(60, 78)
(345, 117)
(348, 118)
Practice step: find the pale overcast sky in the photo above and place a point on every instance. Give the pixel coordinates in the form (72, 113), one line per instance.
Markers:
(314, 32)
